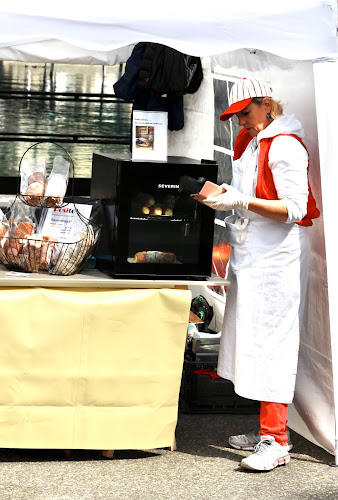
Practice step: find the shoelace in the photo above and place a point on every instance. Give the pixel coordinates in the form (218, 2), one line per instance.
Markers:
(262, 446)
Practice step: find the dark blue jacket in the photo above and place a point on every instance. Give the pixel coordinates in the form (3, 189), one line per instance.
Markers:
(126, 88)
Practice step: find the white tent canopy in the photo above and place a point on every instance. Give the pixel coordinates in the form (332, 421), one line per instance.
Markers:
(294, 48)
(94, 33)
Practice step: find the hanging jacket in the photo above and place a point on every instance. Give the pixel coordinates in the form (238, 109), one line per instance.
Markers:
(127, 88)
(169, 74)
(265, 188)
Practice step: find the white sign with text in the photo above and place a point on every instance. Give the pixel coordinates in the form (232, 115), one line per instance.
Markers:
(150, 135)
(64, 223)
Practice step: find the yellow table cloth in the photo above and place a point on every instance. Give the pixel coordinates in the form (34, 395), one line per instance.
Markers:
(91, 368)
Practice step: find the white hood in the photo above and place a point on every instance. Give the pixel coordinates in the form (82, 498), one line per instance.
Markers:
(283, 124)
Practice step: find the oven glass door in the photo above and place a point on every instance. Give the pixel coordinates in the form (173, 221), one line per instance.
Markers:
(164, 228)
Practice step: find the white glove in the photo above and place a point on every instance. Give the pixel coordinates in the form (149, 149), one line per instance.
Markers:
(232, 198)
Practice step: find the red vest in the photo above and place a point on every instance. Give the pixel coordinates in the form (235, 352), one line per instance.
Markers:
(265, 188)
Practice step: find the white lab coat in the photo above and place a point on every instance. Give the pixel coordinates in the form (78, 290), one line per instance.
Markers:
(268, 273)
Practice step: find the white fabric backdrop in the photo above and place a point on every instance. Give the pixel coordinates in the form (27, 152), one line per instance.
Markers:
(315, 410)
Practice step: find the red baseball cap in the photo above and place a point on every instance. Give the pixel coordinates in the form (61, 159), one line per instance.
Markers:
(242, 94)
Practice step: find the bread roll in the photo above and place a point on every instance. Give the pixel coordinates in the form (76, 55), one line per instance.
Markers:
(156, 210)
(37, 177)
(36, 189)
(145, 199)
(3, 230)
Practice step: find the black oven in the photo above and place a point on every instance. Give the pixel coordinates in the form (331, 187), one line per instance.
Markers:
(151, 228)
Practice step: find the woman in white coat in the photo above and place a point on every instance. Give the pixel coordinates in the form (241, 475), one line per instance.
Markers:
(268, 231)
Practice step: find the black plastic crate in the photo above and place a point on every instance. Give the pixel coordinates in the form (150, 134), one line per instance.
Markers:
(204, 393)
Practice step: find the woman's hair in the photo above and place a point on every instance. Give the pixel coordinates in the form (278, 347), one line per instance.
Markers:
(277, 107)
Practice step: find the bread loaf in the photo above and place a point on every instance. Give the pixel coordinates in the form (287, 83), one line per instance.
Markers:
(55, 190)
(3, 243)
(152, 257)
(21, 231)
(37, 252)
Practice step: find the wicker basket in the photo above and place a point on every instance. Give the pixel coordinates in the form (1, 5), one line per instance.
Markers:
(40, 253)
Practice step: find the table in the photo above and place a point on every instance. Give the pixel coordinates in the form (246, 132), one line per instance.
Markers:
(94, 278)
(90, 362)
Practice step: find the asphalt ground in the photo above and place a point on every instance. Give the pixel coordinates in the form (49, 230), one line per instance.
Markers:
(202, 467)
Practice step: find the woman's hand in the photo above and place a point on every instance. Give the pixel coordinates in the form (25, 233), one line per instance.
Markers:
(232, 198)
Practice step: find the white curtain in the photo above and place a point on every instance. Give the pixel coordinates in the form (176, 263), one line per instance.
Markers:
(315, 410)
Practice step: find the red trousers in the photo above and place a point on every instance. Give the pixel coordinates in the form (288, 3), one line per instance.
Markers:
(273, 420)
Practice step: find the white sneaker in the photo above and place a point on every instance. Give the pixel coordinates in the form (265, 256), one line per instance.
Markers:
(267, 455)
